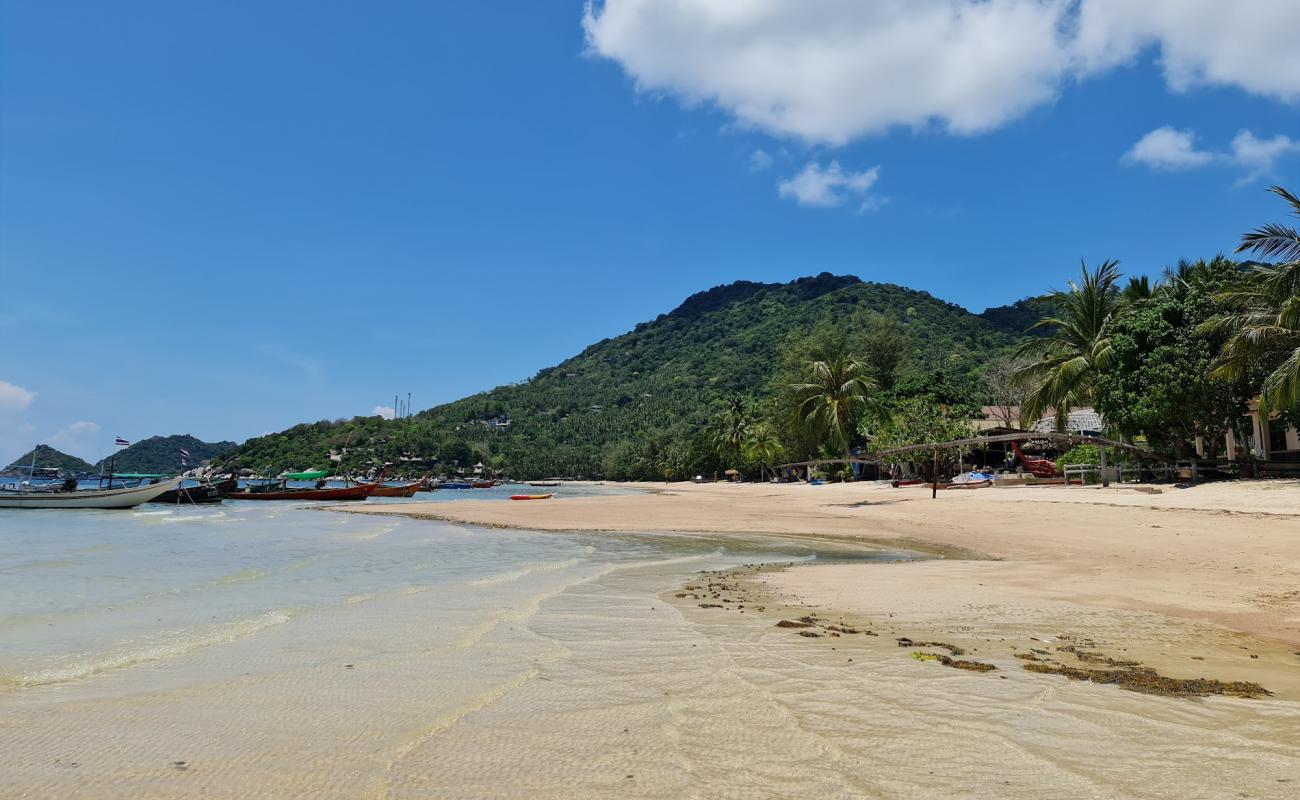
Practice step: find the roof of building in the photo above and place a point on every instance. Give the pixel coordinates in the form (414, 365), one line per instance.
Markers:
(1080, 419)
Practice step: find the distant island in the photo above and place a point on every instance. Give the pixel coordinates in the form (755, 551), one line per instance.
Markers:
(162, 454)
(45, 456)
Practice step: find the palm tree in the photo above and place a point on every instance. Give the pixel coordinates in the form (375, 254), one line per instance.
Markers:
(1065, 365)
(1138, 290)
(835, 392)
(1263, 318)
(731, 428)
(763, 446)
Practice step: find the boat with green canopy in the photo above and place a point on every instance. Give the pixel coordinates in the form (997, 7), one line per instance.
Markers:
(304, 476)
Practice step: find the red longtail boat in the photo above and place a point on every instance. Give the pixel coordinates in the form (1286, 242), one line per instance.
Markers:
(1038, 467)
(404, 490)
(358, 491)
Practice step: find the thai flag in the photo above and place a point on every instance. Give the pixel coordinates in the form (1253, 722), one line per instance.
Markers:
(122, 442)
(185, 453)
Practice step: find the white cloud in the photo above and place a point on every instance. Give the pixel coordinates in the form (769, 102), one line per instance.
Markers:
(1259, 156)
(759, 160)
(1250, 45)
(14, 398)
(1167, 148)
(1171, 149)
(831, 186)
(829, 71)
(78, 439)
(387, 412)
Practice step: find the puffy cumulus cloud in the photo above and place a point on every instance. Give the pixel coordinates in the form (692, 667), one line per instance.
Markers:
(1248, 45)
(830, 186)
(1167, 148)
(387, 412)
(1258, 156)
(14, 398)
(831, 70)
(79, 439)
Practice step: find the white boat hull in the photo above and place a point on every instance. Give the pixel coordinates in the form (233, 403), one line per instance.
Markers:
(94, 498)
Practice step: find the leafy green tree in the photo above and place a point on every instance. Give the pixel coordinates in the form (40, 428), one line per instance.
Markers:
(1262, 317)
(913, 421)
(1157, 382)
(885, 347)
(1065, 365)
(833, 396)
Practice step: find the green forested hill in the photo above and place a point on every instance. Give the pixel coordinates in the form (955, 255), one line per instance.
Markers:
(47, 456)
(162, 454)
(635, 405)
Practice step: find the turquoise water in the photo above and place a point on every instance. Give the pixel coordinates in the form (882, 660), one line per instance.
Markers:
(87, 592)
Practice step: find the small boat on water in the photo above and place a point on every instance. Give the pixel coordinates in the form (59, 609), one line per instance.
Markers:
(531, 496)
(454, 485)
(544, 484)
(61, 496)
(280, 490)
(401, 490)
(203, 493)
(484, 484)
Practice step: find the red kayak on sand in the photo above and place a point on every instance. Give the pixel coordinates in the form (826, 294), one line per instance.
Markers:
(531, 496)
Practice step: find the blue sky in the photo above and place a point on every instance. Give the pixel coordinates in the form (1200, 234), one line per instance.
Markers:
(224, 218)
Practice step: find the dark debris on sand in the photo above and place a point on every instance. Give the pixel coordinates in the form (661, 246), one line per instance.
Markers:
(1148, 681)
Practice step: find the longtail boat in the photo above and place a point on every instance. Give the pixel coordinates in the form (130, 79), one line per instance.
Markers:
(404, 490)
(129, 497)
(1038, 467)
(484, 484)
(203, 493)
(358, 491)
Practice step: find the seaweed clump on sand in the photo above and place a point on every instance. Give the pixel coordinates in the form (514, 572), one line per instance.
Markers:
(1095, 657)
(903, 641)
(1148, 681)
(955, 663)
(802, 622)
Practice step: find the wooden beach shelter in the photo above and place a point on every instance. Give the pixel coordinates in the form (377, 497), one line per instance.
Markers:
(1066, 439)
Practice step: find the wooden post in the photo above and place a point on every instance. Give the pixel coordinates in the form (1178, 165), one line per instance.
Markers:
(1195, 471)
(1105, 477)
(934, 486)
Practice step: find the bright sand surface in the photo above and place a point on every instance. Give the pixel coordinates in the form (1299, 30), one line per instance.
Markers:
(1223, 553)
(1199, 582)
(246, 652)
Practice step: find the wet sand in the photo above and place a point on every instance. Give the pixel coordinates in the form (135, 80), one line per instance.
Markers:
(1225, 554)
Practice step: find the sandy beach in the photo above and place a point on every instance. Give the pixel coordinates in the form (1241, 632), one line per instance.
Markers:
(1152, 572)
(727, 641)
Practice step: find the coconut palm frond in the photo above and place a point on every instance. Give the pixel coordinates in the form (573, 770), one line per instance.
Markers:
(1272, 241)
(1066, 363)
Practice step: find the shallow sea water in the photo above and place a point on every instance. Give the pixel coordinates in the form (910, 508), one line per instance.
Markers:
(251, 651)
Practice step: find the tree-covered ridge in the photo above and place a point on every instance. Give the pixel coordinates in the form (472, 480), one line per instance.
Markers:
(47, 456)
(638, 405)
(163, 454)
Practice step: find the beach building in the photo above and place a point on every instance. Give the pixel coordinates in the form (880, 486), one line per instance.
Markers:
(1084, 421)
(1268, 439)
